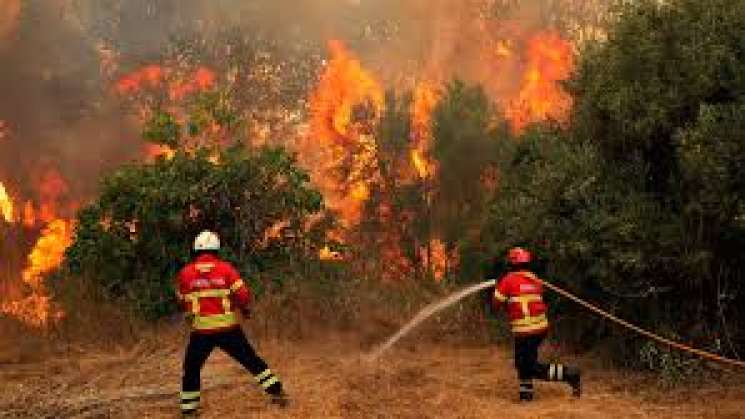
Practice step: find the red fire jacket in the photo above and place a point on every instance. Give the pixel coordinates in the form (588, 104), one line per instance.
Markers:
(523, 293)
(211, 290)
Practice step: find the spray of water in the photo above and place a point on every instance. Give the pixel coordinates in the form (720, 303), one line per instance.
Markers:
(426, 313)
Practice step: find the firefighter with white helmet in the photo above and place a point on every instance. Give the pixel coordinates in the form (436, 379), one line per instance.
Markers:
(211, 291)
(522, 292)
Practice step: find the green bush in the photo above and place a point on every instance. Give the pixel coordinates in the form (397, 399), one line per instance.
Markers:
(135, 237)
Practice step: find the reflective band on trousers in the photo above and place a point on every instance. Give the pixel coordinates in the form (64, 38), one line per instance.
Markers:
(187, 407)
(270, 382)
(267, 372)
(189, 395)
(530, 324)
(267, 379)
(215, 321)
(556, 372)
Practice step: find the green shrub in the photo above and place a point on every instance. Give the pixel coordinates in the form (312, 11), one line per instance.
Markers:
(135, 237)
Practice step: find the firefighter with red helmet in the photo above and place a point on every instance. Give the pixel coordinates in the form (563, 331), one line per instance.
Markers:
(211, 292)
(522, 292)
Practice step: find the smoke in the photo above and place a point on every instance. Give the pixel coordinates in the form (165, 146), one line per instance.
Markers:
(59, 58)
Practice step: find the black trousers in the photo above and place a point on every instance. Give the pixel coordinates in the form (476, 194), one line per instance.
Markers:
(526, 357)
(235, 344)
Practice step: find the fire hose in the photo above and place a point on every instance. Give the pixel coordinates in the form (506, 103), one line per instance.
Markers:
(440, 305)
(643, 332)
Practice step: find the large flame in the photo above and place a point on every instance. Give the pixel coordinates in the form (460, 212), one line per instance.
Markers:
(550, 59)
(48, 253)
(341, 151)
(426, 97)
(36, 309)
(7, 211)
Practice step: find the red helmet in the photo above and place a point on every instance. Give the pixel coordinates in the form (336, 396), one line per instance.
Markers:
(518, 255)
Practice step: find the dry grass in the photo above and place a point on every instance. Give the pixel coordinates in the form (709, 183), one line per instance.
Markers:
(328, 378)
(102, 362)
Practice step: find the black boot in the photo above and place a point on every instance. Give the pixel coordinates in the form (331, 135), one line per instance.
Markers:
(573, 377)
(526, 390)
(280, 399)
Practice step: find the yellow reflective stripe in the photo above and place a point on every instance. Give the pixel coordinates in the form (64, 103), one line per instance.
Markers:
(194, 300)
(268, 383)
(527, 298)
(524, 300)
(526, 329)
(237, 285)
(194, 297)
(215, 321)
(188, 395)
(226, 304)
(499, 296)
(530, 324)
(263, 375)
(530, 320)
(559, 372)
(189, 406)
(214, 293)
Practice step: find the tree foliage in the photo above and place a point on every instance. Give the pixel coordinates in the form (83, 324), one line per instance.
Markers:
(138, 233)
(638, 205)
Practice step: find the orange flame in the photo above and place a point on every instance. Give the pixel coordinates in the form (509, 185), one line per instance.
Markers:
(442, 261)
(177, 85)
(51, 188)
(46, 256)
(344, 105)
(48, 252)
(151, 75)
(327, 254)
(550, 60)
(29, 214)
(155, 76)
(203, 79)
(7, 211)
(153, 151)
(425, 101)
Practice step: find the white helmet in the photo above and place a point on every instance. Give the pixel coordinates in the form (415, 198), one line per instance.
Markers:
(207, 240)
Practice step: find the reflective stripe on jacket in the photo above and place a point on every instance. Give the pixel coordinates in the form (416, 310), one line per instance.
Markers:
(523, 293)
(211, 290)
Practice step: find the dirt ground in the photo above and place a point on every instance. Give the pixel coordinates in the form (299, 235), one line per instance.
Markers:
(330, 378)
